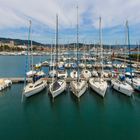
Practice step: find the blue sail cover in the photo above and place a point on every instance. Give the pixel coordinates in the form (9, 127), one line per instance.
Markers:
(122, 77)
(74, 65)
(61, 68)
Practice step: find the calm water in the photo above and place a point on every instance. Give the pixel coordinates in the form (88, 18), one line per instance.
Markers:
(116, 117)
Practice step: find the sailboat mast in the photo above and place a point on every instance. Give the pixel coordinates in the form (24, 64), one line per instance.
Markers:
(27, 55)
(128, 39)
(138, 55)
(77, 43)
(100, 40)
(56, 40)
(31, 47)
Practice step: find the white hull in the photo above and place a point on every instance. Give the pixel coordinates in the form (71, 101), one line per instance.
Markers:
(98, 87)
(89, 66)
(78, 91)
(124, 88)
(30, 73)
(67, 65)
(59, 90)
(135, 83)
(62, 74)
(5, 83)
(73, 74)
(86, 74)
(31, 89)
(82, 66)
(94, 73)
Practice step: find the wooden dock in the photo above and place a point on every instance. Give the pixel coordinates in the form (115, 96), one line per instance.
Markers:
(49, 80)
(18, 79)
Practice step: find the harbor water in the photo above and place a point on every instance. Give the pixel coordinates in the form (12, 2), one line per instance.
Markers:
(116, 117)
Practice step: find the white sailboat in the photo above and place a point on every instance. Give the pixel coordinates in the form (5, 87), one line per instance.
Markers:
(35, 86)
(67, 65)
(52, 71)
(134, 82)
(61, 72)
(57, 86)
(99, 85)
(89, 66)
(85, 73)
(74, 74)
(121, 85)
(78, 86)
(95, 73)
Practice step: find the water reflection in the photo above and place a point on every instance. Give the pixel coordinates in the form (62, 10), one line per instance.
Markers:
(121, 98)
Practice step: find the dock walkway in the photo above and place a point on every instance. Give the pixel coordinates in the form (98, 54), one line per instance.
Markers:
(126, 60)
(49, 80)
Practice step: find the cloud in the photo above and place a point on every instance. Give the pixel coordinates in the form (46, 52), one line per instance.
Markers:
(15, 14)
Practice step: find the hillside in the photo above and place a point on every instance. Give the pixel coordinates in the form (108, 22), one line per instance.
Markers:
(19, 41)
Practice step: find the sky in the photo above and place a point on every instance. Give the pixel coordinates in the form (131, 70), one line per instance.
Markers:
(15, 16)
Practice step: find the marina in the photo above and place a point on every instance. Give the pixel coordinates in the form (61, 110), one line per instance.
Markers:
(69, 70)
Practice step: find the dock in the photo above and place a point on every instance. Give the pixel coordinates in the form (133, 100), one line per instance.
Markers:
(18, 79)
(125, 60)
(49, 80)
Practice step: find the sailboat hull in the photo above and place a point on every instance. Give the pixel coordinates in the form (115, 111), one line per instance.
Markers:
(135, 83)
(78, 91)
(31, 89)
(86, 74)
(58, 91)
(125, 89)
(98, 87)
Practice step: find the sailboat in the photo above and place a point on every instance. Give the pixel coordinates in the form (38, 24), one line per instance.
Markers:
(52, 71)
(31, 72)
(74, 66)
(57, 86)
(61, 72)
(99, 85)
(131, 80)
(120, 84)
(85, 73)
(137, 66)
(78, 86)
(135, 82)
(37, 84)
